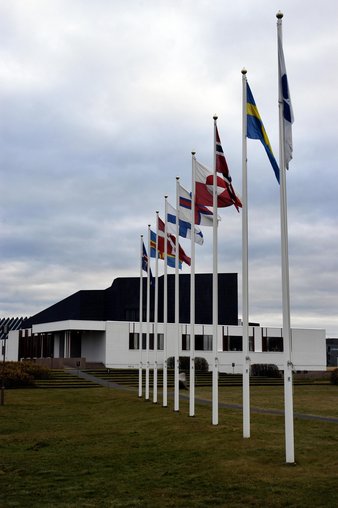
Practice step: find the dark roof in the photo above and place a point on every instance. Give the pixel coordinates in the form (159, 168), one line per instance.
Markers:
(120, 302)
(12, 323)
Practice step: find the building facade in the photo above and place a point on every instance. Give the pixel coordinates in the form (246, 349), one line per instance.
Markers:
(104, 327)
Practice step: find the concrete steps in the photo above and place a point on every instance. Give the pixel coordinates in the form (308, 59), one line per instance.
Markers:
(62, 379)
(129, 377)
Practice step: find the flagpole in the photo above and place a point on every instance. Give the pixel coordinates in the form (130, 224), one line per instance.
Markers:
(156, 316)
(148, 318)
(141, 321)
(177, 307)
(215, 293)
(165, 310)
(245, 268)
(192, 295)
(288, 388)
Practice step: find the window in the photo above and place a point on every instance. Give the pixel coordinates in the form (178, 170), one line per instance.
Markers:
(144, 341)
(203, 342)
(233, 343)
(185, 342)
(133, 341)
(275, 344)
(160, 341)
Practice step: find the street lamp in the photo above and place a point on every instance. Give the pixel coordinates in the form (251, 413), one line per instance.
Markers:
(4, 338)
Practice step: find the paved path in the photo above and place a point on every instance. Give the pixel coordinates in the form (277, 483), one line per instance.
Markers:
(257, 410)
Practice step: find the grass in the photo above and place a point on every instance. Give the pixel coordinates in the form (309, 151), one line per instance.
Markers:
(312, 399)
(107, 448)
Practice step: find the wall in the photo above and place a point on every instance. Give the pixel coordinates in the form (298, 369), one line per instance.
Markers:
(93, 346)
(308, 347)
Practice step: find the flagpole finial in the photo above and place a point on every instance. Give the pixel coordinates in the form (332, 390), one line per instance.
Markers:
(193, 153)
(244, 71)
(141, 236)
(157, 211)
(166, 196)
(149, 225)
(177, 177)
(279, 15)
(215, 117)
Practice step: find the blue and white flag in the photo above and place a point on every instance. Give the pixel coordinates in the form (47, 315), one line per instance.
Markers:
(287, 106)
(184, 225)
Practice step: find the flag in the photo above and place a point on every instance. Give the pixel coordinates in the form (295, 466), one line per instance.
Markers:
(184, 224)
(204, 188)
(171, 243)
(203, 216)
(161, 254)
(255, 129)
(288, 118)
(145, 261)
(222, 167)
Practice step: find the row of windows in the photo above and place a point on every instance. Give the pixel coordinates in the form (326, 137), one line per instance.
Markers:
(134, 341)
(204, 342)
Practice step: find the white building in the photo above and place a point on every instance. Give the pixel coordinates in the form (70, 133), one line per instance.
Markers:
(66, 334)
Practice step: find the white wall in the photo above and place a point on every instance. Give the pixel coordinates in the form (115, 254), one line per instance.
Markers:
(12, 346)
(308, 347)
(93, 346)
(108, 342)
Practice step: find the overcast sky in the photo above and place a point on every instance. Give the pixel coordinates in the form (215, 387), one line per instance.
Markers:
(101, 104)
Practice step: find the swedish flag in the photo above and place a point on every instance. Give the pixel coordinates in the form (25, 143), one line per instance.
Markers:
(256, 130)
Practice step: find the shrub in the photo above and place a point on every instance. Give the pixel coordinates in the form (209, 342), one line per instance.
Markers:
(334, 377)
(15, 376)
(20, 374)
(184, 364)
(37, 371)
(265, 369)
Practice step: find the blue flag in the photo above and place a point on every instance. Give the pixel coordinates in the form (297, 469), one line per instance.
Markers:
(145, 261)
(256, 130)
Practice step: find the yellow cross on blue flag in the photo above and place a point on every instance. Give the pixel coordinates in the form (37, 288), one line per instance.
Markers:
(255, 129)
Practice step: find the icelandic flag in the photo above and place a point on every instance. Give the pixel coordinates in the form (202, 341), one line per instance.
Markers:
(255, 129)
(203, 216)
(184, 225)
(288, 118)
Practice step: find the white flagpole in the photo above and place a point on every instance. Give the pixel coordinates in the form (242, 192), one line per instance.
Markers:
(156, 316)
(192, 295)
(245, 269)
(288, 389)
(165, 311)
(215, 294)
(148, 318)
(177, 309)
(141, 321)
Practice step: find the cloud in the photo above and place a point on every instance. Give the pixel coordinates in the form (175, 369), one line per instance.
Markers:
(101, 106)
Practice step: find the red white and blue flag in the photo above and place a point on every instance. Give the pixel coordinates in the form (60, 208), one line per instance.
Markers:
(222, 167)
(203, 216)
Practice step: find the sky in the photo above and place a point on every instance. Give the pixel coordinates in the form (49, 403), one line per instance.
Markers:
(101, 105)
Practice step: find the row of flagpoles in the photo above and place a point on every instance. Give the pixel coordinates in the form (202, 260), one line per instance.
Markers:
(211, 191)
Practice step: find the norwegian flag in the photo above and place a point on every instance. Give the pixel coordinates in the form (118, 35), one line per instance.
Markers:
(222, 167)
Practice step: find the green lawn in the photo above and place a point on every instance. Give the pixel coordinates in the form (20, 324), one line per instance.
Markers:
(313, 399)
(107, 448)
